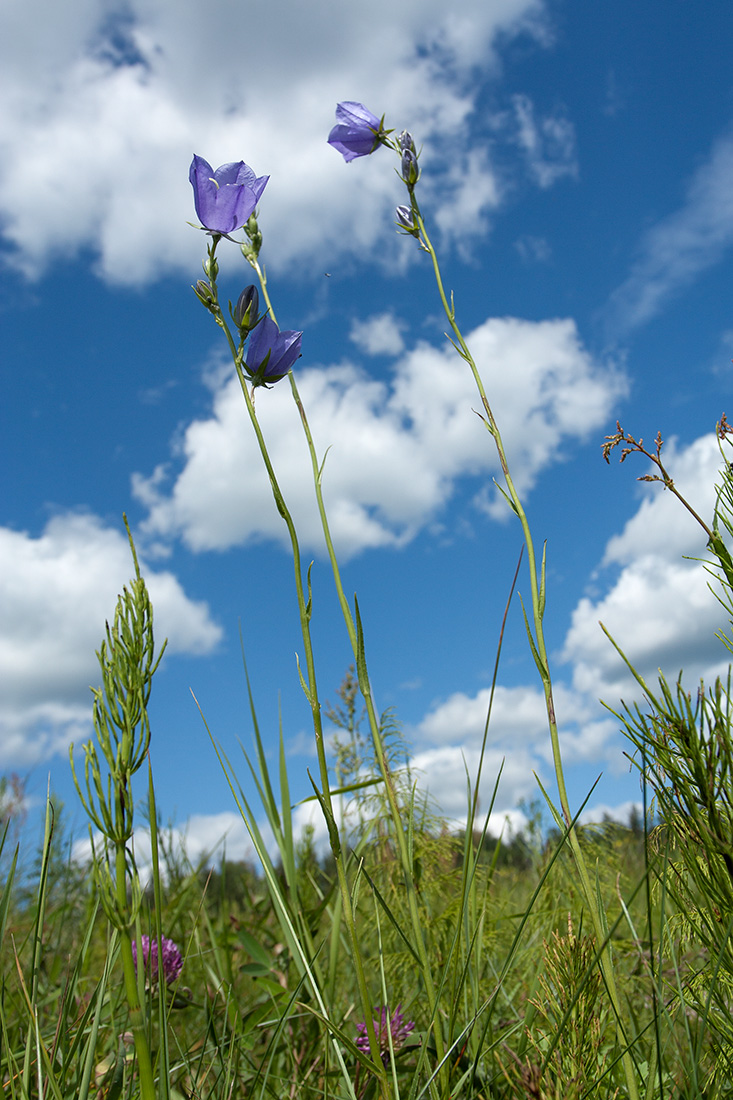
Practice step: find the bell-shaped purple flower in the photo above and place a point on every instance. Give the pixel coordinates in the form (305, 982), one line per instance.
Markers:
(357, 132)
(172, 959)
(224, 198)
(271, 353)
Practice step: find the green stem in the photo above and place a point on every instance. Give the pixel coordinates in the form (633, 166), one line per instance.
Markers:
(137, 1016)
(365, 688)
(539, 649)
(309, 683)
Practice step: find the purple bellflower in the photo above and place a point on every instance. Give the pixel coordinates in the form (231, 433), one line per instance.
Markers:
(271, 353)
(224, 198)
(172, 959)
(397, 1026)
(357, 132)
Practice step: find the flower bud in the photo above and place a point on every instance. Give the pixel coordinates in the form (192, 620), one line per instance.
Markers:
(410, 170)
(252, 245)
(405, 141)
(245, 311)
(203, 292)
(406, 221)
(211, 267)
(404, 217)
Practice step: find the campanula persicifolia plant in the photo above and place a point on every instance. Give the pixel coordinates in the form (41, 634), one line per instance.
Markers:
(412, 223)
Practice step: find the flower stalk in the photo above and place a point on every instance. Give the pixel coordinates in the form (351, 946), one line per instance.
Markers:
(537, 576)
(353, 627)
(304, 599)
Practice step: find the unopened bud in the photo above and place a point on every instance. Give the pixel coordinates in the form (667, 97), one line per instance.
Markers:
(252, 231)
(245, 311)
(202, 290)
(406, 221)
(410, 170)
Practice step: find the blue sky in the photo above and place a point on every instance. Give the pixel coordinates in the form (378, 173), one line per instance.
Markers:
(577, 167)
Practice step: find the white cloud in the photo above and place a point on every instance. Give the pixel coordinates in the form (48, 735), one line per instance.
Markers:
(659, 609)
(102, 107)
(544, 388)
(207, 839)
(548, 143)
(517, 744)
(444, 774)
(689, 240)
(57, 591)
(378, 335)
(621, 813)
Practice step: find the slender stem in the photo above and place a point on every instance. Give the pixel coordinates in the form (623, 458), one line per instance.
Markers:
(383, 764)
(137, 1015)
(539, 649)
(255, 263)
(537, 587)
(309, 681)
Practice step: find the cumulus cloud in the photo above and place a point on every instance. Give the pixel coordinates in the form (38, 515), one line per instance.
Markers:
(517, 743)
(656, 604)
(378, 335)
(103, 105)
(57, 591)
(680, 246)
(659, 608)
(533, 249)
(545, 389)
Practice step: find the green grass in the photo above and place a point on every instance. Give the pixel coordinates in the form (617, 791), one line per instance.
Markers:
(522, 1006)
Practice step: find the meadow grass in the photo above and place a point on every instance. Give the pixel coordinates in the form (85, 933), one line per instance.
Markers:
(521, 996)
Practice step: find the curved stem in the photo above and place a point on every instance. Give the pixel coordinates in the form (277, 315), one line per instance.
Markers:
(308, 682)
(539, 650)
(357, 646)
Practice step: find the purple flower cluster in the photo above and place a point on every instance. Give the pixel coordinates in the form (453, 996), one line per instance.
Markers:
(172, 959)
(224, 200)
(397, 1026)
